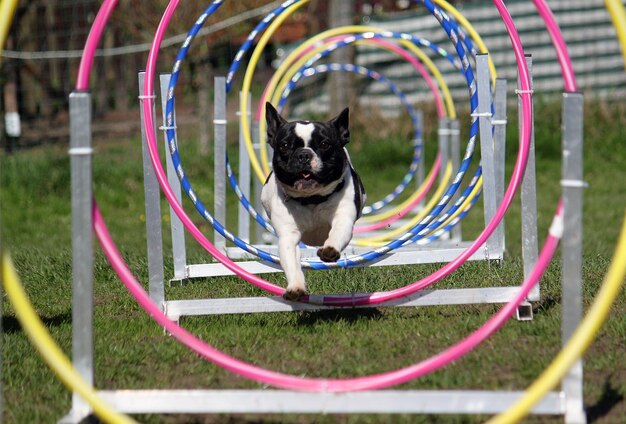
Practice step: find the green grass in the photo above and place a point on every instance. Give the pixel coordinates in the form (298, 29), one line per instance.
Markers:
(131, 352)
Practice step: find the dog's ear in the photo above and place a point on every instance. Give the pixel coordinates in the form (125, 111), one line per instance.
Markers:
(274, 122)
(342, 123)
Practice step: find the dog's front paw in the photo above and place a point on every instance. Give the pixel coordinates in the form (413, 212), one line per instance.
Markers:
(328, 254)
(294, 294)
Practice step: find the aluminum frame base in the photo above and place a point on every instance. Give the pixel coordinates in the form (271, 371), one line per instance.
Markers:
(175, 309)
(410, 255)
(293, 402)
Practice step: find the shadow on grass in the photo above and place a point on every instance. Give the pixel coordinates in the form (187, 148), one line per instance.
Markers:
(547, 303)
(349, 316)
(610, 398)
(10, 324)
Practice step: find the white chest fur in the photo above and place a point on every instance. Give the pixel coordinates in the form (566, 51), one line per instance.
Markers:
(311, 222)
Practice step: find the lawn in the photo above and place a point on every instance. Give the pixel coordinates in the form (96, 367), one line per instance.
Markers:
(132, 352)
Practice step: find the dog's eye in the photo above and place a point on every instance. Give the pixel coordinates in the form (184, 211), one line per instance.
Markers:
(283, 147)
(324, 145)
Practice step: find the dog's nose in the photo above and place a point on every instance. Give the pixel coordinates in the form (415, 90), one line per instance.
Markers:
(304, 156)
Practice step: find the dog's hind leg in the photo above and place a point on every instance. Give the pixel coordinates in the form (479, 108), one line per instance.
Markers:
(290, 261)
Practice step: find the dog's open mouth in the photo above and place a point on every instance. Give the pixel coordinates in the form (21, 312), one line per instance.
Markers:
(305, 182)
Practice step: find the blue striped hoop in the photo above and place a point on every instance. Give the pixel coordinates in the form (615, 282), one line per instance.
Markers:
(416, 232)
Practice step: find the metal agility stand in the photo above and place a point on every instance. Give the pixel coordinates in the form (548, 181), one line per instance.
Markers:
(492, 154)
(448, 135)
(82, 247)
(572, 184)
(566, 402)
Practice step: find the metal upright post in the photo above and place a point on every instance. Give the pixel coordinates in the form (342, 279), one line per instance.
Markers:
(528, 197)
(486, 146)
(443, 133)
(243, 221)
(82, 245)
(219, 130)
(499, 148)
(257, 184)
(455, 156)
(178, 231)
(154, 236)
(572, 186)
(1, 336)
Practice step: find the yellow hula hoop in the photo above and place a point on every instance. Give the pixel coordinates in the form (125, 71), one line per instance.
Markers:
(271, 88)
(338, 31)
(293, 68)
(289, 67)
(48, 349)
(289, 62)
(247, 82)
(469, 28)
(580, 340)
(589, 327)
(262, 173)
(7, 10)
(315, 41)
(618, 16)
(34, 328)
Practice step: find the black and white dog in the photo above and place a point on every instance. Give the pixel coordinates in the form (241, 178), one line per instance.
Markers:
(313, 194)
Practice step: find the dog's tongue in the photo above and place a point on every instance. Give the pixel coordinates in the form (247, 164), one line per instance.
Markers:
(306, 182)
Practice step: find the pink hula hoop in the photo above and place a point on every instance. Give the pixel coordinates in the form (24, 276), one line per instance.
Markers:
(341, 300)
(279, 379)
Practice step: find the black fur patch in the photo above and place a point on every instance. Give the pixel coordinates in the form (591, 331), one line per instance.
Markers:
(327, 141)
(359, 192)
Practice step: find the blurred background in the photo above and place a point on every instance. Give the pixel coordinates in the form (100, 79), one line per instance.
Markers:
(45, 41)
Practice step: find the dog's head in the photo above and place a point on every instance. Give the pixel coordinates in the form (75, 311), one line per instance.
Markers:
(308, 155)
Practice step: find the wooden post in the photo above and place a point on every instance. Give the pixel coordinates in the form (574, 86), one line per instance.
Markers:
(204, 107)
(9, 92)
(340, 83)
